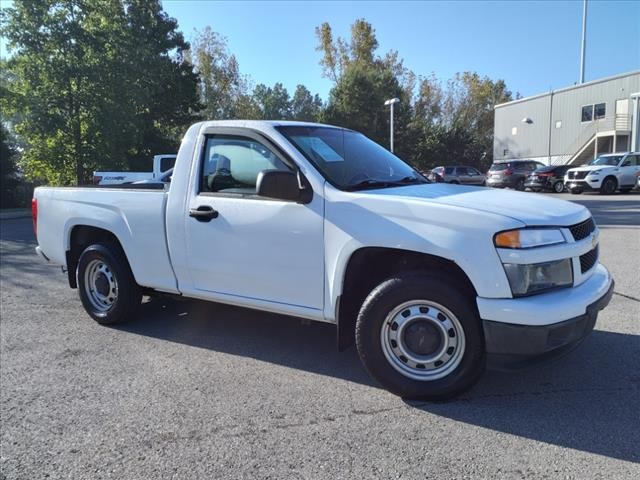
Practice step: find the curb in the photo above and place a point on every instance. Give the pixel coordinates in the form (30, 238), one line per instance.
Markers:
(25, 213)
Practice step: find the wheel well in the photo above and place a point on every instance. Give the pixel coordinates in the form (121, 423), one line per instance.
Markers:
(370, 266)
(81, 237)
(613, 177)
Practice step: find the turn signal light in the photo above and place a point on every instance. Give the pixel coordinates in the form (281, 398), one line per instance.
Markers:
(510, 239)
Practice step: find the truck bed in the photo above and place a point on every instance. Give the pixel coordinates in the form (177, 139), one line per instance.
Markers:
(134, 214)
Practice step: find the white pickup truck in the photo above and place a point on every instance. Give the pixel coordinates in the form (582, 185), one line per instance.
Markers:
(161, 165)
(432, 281)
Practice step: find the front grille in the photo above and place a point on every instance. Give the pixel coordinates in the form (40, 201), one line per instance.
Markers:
(582, 230)
(577, 175)
(588, 260)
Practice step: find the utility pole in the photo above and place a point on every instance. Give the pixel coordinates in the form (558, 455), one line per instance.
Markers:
(584, 40)
(391, 102)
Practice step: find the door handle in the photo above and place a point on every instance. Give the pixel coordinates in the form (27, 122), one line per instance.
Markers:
(203, 213)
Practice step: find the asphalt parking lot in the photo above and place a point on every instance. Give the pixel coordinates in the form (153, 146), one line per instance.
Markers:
(193, 390)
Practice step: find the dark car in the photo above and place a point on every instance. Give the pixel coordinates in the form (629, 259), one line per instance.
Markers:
(511, 173)
(459, 174)
(547, 178)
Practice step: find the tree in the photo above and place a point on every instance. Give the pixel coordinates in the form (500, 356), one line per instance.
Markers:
(222, 88)
(274, 103)
(95, 82)
(428, 102)
(8, 167)
(433, 125)
(363, 81)
(469, 105)
(304, 106)
(338, 55)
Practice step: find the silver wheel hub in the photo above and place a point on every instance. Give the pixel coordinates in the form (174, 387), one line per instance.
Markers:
(100, 285)
(422, 340)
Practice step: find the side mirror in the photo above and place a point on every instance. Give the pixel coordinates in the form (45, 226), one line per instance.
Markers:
(282, 185)
(627, 163)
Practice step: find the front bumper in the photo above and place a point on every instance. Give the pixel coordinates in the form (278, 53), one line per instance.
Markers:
(587, 184)
(545, 325)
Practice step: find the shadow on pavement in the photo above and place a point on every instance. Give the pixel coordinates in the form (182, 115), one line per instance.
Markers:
(238, 331)
(587, 400)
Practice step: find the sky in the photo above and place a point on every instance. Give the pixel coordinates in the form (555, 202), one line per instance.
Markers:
(533, 45)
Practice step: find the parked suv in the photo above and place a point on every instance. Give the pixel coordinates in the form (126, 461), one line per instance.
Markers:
(605, 174)
(511, 173)
(547, 178)
(458, 174)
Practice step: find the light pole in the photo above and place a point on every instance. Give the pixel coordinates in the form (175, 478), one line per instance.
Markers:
(584, 40)
(391, 102)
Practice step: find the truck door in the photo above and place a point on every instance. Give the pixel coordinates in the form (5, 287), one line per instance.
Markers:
(250, 247)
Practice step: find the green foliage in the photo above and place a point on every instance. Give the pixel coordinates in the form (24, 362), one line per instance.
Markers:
(363, 82)
(95, 84)
(433, 126)
(106, 84)
(222, 89)
(8, 153)
(274, 103)
(304, 106)
(225, 92)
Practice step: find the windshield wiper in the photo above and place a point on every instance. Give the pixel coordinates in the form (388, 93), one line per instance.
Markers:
(372, 183)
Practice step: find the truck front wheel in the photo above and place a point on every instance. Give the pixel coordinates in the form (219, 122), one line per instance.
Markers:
(107, 289)
(420, 338)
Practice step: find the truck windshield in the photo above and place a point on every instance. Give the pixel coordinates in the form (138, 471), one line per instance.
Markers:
(349, 160)
(608, 160)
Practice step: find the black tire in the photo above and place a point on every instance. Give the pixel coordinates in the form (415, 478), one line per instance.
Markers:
(372, 322)
(558, 187)
(107, 304)
(609, 186)
(520, 185)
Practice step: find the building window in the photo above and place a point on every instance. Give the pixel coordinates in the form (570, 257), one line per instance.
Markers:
(600, 110)
(514, 131)
(559, 124)
(587, 113)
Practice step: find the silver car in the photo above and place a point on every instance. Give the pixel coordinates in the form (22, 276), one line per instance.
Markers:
(458, 174)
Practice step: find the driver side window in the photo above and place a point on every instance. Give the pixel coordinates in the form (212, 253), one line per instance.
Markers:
(231, 164)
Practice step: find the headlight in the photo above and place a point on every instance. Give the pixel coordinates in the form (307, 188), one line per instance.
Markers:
(595, 172)
(528, 238)
(537, 277)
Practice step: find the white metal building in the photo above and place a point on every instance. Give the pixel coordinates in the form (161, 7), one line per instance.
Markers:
(573, 124)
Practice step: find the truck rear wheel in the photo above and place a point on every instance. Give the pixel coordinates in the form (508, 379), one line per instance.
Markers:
(420, 338)
(107, 289)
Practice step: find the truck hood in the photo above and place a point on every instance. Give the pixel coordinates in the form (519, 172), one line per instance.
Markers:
(529, 208)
